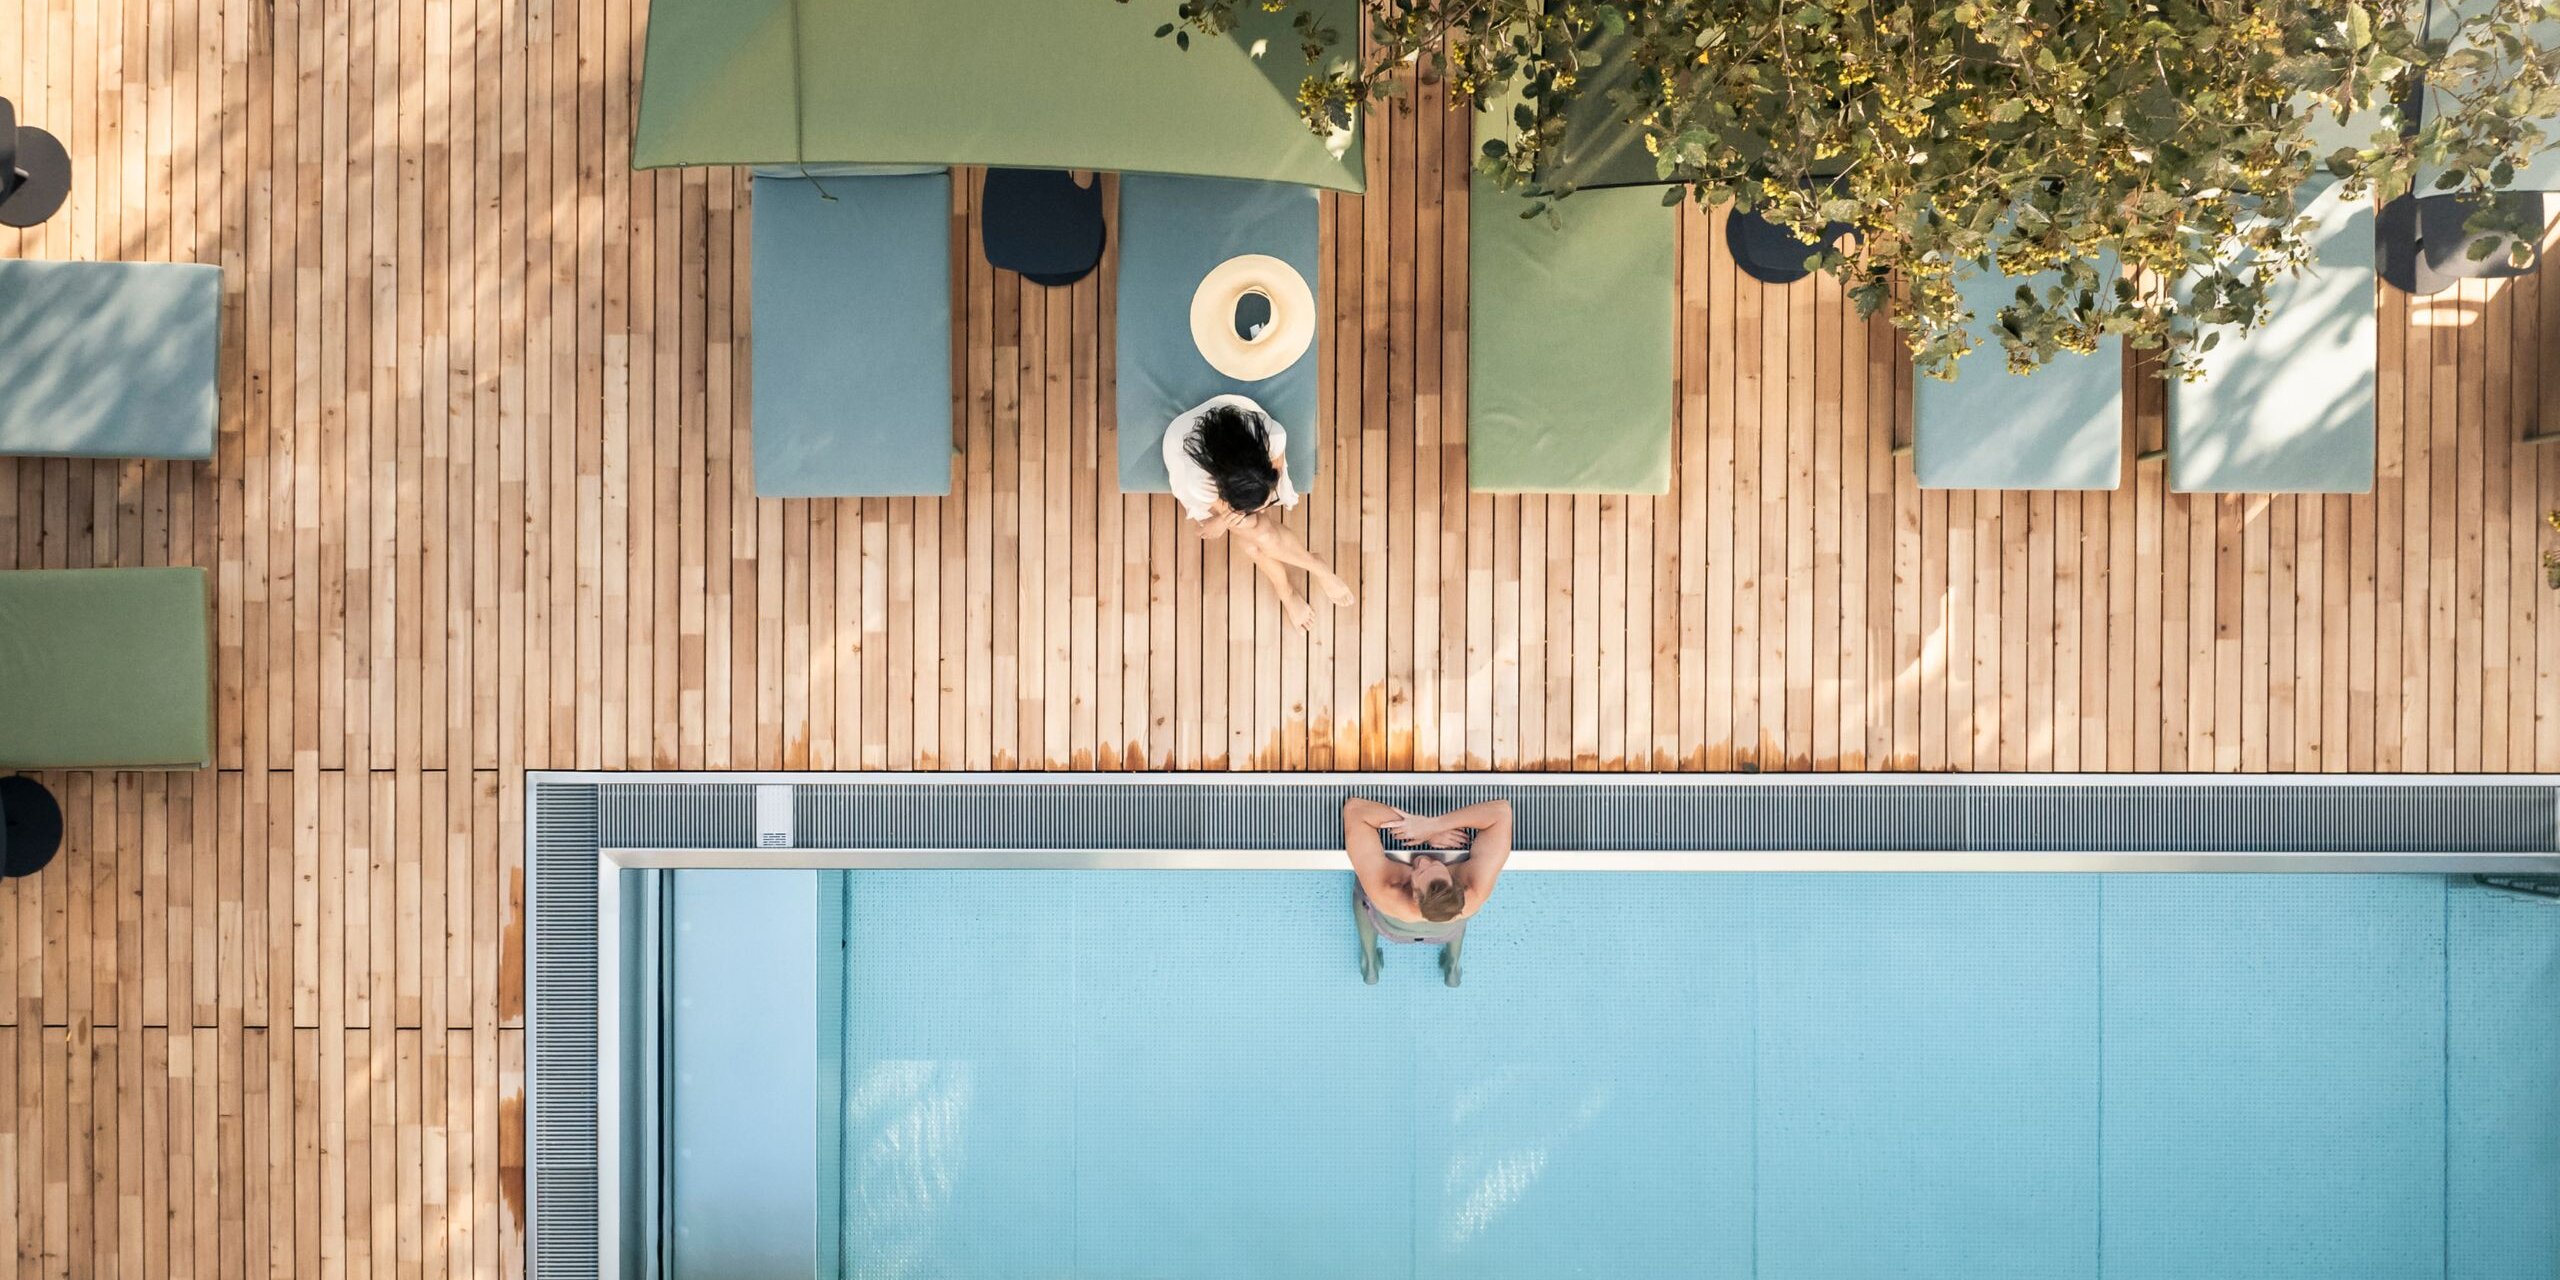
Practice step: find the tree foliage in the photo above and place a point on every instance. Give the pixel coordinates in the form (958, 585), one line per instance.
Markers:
(2026, 136)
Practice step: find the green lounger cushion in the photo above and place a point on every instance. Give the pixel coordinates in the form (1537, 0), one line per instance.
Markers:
(2061, 427)
(1569, 355)
(852, 336)
(1173, 233)
(108, 359)
(105, 669)
(2289, 408)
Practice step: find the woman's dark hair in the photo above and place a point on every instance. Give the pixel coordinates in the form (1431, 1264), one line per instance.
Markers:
(1234, 446)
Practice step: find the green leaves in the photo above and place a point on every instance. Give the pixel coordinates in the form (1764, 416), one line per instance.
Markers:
(2030, 136)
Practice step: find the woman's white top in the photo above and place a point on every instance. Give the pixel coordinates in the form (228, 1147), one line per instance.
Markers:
(1191, 483)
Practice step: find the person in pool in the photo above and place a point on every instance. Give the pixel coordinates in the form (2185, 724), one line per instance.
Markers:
(1421, 878)
(1229, 467)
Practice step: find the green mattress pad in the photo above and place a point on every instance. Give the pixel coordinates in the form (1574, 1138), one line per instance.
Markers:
(105, 669)
(1570, 336)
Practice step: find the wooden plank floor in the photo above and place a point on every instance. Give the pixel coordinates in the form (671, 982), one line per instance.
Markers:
(482, 505)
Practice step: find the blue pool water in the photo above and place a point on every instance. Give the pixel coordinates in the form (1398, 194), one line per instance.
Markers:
(1181, 1075)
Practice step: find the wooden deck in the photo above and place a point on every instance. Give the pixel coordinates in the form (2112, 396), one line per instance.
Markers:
(482, 505)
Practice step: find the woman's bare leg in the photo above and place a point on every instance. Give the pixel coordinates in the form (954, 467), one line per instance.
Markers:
(1299, 613)
(1368, 936)
(1277, 543)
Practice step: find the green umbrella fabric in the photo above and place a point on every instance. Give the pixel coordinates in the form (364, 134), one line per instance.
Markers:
(1058, 84)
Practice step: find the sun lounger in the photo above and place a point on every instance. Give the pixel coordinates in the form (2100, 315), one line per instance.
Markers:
(852, 335)
(108, 359)
(2061, 427)
(1173, 233)
(2289, 408)
(1569, 355)
(105, 669)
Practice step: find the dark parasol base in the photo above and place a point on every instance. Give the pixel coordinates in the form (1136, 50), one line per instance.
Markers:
(1770, 253)
(1042, 224)
(30, 826)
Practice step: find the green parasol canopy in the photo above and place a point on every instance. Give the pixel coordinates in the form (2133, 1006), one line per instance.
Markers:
(1057, 84)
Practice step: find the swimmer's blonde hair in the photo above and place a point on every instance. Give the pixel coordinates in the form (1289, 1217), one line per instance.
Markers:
(1442, 900)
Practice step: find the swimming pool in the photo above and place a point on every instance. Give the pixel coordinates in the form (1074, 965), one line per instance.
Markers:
(1098, 1073)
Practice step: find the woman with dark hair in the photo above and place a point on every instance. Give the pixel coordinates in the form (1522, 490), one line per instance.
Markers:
(1228, 461)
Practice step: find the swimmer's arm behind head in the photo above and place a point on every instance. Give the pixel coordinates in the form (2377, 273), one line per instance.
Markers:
(1361, 819)
(1491, 822)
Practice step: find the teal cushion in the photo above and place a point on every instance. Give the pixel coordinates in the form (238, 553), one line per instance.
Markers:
(852, 336)
(108, 359)
(2290, 408)
(2061, 427)
(105, 669)
(1173, 233)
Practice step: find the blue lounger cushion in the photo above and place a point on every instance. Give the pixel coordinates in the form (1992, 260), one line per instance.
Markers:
(2061, 427)
(852, 334)
(2289, 408)
(1173, 232)
(108, 359)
